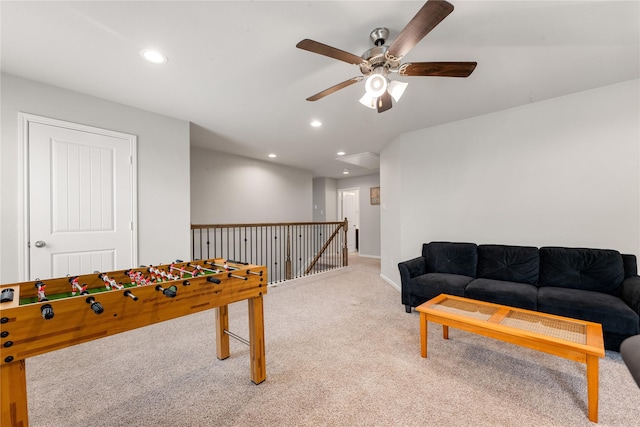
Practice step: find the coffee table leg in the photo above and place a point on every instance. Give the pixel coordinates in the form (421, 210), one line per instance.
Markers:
(592, 387)
(445, 332)
(423, 334)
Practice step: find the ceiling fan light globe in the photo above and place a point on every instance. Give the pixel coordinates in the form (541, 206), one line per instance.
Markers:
(396, 89)
(368, 101)
(375, 85)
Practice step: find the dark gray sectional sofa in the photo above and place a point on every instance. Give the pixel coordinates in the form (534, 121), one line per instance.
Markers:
(598, 285)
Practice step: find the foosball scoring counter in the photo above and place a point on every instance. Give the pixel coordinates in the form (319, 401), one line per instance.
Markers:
(40, 316)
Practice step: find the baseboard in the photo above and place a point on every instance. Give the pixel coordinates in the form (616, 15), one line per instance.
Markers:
(391, 282)
(368, 256)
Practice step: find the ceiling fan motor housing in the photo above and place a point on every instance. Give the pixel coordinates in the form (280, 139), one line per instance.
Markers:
(379, 36)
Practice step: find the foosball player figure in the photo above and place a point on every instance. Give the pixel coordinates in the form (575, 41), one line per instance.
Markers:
(41, 295)
(198, 270)
(141, 280)
(152, 274)
(173, 267)
(132, 276)
(109, 283)
(75, 286)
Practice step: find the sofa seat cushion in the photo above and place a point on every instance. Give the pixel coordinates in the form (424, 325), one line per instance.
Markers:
(600, 270)
(431, 285)
(510, 263)
(513, 294)
(608, 310)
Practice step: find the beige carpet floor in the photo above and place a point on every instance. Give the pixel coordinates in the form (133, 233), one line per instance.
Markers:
(341, 351)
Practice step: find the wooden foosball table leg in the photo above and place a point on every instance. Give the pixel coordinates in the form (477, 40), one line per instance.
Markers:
(256, 340)
(222, 325)
(14, 394)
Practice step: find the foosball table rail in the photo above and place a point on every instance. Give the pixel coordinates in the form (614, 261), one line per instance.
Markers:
(110, 303)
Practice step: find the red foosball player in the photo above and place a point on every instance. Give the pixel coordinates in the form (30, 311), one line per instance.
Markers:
(163, 275)
(109, 283)
(75, 286)
(41, 295)
(132, 276)
(197, 271)
(153, 274)
(140, 281)
(173, 267)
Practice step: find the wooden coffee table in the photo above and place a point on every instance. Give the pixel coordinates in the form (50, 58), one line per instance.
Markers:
(572, 339)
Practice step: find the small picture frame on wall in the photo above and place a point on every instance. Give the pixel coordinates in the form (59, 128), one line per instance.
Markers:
(375, 195)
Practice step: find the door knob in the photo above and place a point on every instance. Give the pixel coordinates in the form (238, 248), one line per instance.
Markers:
(40, 244)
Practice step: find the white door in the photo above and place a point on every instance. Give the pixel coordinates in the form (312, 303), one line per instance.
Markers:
(81, 194)
(349, 201)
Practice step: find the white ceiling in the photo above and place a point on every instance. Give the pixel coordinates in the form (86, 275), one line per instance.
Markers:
(235, 73)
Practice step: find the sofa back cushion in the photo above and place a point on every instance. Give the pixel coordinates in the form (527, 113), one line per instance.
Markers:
(450, 257)
(599, 270)
(630, 265)
(510, 263)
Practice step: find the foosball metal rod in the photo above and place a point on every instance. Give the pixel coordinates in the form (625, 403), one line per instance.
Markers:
(239, 338)
(203, 268)
(224, 266)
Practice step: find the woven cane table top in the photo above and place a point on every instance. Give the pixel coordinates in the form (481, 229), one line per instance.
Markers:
(521, 319)
(465, 308)
(555, 328)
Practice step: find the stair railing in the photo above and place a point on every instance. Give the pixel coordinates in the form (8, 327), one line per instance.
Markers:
(289, 250)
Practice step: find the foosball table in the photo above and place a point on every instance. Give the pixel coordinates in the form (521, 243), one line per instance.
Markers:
(40, 316)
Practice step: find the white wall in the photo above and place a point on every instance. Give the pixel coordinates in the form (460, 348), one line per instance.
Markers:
(229, 189)
(559, 172)
(369, 227)
(325, 199)
(163, 166)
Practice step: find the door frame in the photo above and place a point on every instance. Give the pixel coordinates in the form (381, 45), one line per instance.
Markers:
(341, 192)
(24, 120)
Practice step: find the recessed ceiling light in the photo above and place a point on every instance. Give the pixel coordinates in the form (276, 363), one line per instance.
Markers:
(345, 172)
(341, 153)
(316, 123)
(154, 56)
(272, 155)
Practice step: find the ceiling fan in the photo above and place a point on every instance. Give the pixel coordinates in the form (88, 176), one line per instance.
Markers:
(378, 62)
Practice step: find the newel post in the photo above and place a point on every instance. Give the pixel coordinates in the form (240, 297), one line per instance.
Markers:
(345, 250)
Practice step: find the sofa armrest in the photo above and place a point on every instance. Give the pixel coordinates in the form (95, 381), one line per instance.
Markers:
(408, 270)
(412, 268)
(631, 292)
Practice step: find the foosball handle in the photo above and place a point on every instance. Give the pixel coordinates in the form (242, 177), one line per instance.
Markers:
(7, 295)
(130, 295)
(95, 305)
(47, 311)
(170, 292)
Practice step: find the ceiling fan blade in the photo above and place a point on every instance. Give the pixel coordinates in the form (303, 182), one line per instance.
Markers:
(384, 102)
(430, 15)
(335, 88)
(331, 52)
(442, 69)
